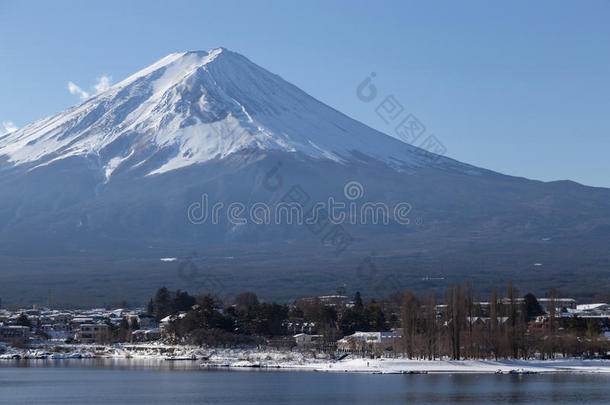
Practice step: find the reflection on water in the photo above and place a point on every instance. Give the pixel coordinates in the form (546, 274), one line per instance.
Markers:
(102, 381)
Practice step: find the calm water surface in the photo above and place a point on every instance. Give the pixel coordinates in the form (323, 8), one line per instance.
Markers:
(100, 381)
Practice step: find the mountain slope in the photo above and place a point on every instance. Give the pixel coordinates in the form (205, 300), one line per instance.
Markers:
(191, 107)
(102, 191)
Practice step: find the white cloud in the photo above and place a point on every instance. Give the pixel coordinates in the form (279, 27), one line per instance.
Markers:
(7, 126)
(74, 89)
(103, 83)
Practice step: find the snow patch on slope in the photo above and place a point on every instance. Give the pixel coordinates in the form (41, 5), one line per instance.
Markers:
(114, 163)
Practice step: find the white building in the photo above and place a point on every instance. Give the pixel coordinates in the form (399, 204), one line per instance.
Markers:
(303, 340)
(560, 304)
(360, 340)
(593, 308)
(93, 333)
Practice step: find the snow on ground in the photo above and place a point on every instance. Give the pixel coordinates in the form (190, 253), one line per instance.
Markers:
(466, 366)
(305, 360)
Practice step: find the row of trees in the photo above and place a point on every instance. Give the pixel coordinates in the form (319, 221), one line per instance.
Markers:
(457, 326)
(503, 327)
(168, 302)
(246, 320)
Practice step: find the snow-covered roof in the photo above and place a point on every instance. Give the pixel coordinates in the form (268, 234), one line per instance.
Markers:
(592, 307)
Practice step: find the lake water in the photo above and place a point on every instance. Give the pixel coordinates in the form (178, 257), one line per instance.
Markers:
(100, 381)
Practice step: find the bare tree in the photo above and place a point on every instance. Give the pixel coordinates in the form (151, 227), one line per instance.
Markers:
(410, 313)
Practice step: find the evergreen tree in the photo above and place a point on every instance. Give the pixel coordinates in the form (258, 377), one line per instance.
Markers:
(358, 301)
(183, 301)
(23, 320)
(532, 306)
(163, 304)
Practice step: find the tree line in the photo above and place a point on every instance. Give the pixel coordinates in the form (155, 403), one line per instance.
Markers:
(457, 324)
(207, 320)
(506, 326)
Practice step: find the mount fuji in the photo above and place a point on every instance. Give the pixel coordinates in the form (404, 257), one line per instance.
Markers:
(192, 107)
(98, 194)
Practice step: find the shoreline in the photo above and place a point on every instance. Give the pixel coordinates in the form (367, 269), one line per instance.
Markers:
(293, 360)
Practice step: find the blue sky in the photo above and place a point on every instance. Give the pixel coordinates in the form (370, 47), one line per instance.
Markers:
(522, 88)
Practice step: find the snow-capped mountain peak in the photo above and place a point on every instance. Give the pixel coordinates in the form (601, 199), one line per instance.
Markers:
(191, 107)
